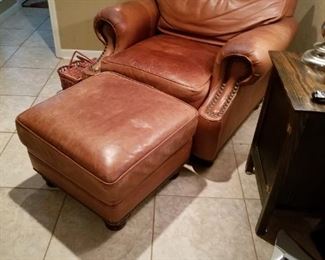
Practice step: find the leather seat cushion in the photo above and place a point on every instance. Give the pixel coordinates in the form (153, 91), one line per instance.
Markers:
(177, 66)
(107, 134)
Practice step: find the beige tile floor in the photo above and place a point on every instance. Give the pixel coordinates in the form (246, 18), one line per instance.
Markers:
(206, 213)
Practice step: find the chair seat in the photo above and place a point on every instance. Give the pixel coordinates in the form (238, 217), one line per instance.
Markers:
(177, 66)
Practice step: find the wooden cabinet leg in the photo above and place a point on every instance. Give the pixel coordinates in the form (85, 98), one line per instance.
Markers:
(264, 218)
(249, 169)
(261, 226)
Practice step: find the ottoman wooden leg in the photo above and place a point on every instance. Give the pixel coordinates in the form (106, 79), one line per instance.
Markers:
(115, 226)
(175, 174)
(49, 183)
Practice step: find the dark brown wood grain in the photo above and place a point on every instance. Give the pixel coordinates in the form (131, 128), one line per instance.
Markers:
(298, 81)
(288, 150)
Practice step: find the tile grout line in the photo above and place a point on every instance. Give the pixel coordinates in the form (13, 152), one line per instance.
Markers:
(199, 197)
(36, 68)
(181, 196)
(20, 45)
(246, 210)
(7, 143)
(13, 133)
(250, 228)
(35, 98)
(29, 188)
(6, 95)
(6, 61)
(237, 169)
(53, 70)
(55, 224)
(42, 87)
(48, 79)
(29, 68)
(153, 227)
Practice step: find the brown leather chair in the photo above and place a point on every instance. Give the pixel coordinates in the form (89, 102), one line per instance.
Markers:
(213, 54)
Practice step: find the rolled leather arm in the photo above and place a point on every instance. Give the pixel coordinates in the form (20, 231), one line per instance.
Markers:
(253, 47)
(125, 24)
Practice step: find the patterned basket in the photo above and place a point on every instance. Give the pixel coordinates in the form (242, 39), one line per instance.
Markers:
(79, 68)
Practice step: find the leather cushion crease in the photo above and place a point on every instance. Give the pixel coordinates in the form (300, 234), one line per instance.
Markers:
(107, 133)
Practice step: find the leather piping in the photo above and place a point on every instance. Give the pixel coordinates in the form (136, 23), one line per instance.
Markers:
(112, 204)
(126, 172)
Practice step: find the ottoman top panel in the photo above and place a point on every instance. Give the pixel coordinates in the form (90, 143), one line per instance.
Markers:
(108, 122)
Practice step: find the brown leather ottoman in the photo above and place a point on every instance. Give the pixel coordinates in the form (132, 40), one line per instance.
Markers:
(109, 142)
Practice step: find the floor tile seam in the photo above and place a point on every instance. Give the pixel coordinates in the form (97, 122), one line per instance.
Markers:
(55, 225)
(35, 30)
(29, 188)
(7, 95)
(5, 146)
(153, 227)
(44, 30)
(9, 45)
(251, 230)
(48, 79)
(200, 197)
(238, 172)
(53, 69)
(20, 45)
(243, 194)
(27, 68)
(14, 12)
(16, 67)
(45, 17)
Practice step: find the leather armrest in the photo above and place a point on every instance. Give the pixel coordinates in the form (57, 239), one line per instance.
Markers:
(125, 24)
(253, 48)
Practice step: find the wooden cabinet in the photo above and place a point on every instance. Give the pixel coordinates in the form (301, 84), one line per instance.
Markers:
(288, 150)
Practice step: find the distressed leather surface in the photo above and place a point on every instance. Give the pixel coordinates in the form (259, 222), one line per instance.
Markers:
(216, 21)
(177, 66)
(125, 24)
(108, 133)
(254, 46)
(243, 31)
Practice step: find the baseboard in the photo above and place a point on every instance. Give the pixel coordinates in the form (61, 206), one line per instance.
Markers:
(11, 10)
(67, 53)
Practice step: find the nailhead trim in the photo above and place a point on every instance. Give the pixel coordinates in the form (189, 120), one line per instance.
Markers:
(216, 98)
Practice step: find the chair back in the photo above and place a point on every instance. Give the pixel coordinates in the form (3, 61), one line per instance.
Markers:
(216, 21)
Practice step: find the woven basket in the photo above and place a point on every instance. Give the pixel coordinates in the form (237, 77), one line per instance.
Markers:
(79, 68)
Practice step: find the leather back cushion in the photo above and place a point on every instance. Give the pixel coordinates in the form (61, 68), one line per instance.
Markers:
(216, 21)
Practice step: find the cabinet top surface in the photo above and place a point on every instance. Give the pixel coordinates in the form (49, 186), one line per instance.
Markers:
(297, 80)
